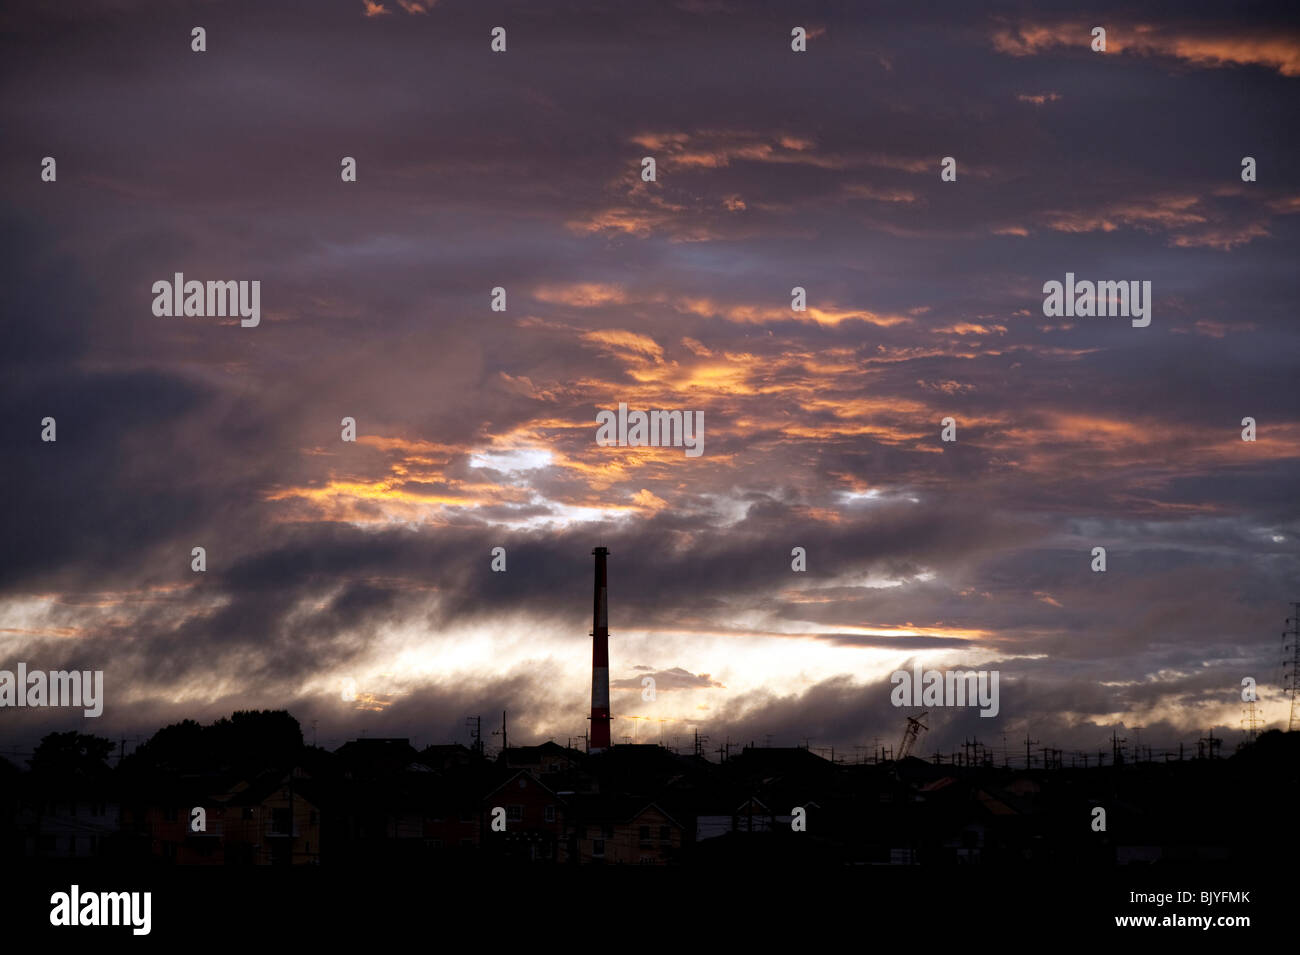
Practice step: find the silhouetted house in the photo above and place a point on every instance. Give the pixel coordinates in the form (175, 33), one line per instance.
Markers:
(770, 763)
(750, 815)
(645, 769)
(608, 830)
(534, 817)
(158, 820)
(72, 819)
(452, 824)
(368, 758)
(549, 757)
(452, 757)
(10, 844)
(273, 820)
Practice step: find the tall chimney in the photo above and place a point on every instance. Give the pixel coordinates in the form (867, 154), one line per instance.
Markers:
(600, 658)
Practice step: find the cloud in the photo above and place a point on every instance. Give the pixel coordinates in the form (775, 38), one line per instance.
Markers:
(668, 680)
(1038, 99)
(1209, 46)
(476, 429)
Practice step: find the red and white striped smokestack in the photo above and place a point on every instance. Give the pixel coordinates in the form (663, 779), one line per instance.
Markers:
(600, 658)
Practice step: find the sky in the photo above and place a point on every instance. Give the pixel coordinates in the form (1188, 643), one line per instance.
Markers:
(370, 561)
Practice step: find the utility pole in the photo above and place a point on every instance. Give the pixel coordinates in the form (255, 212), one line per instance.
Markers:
(476, 733)
(1116, 747)
(1211, 741)
(1029, 757)
(505, 744)
(699, 743)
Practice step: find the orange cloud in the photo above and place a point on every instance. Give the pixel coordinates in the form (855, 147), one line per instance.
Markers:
(1224, 238)
(761, 314)
(1218, 46)
(865, 191)
(582, 294)
(970, 328)
(625, 341)
(717, 149)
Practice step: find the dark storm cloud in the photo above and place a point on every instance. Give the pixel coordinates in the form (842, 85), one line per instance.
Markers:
(667, 680)
(478, 170)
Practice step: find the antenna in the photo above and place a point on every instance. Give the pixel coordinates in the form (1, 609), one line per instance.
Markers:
(699, 743)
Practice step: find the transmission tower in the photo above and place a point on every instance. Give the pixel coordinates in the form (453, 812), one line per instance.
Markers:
(1251, 719)
(1291, 667)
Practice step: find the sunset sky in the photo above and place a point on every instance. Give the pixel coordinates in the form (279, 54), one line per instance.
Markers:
(476, 429)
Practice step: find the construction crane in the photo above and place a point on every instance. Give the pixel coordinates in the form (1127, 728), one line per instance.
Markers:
(914, 727)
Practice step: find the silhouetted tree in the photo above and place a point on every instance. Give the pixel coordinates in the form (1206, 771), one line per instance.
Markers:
(71, 754)
(249, 742)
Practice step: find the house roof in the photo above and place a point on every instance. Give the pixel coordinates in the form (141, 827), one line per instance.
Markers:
(515, 774)
(593, 807)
